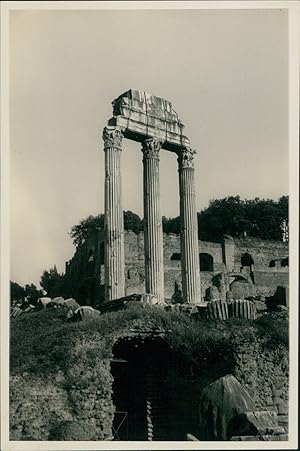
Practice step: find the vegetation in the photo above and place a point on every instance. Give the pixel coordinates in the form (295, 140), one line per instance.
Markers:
(261, 218)
(60, 372)
(19, 293)
(52, 282)
(80, 232)
(39, 339)
(16, 291)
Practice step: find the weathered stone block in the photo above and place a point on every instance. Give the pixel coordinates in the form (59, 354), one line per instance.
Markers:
(282, 408)
(252, 423)
(219, 403)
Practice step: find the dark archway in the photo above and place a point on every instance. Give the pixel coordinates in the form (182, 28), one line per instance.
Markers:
(156, 390)
(206, 262)
(247, 260)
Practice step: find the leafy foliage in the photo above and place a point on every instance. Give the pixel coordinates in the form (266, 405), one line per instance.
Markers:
(52, 282)
(171, 225)
(260, 218)
(133, 222)
(32, 293)
(19, 293)
(80, 232)
(16, 291)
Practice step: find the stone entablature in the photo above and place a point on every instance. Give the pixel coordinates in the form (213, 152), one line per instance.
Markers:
(141, 115)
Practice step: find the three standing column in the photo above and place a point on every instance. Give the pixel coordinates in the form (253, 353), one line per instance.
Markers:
(114, 222)
(153, 234)
(190, 268)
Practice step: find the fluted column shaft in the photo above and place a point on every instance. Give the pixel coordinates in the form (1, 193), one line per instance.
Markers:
(153, 234)
(190, 268)
(114, 222)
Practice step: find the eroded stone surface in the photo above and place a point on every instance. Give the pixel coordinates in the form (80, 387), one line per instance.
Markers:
(219, 403)
(142, 115)
(255, 423)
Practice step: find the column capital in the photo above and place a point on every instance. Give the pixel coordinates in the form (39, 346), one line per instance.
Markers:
(186, 158)
(112, 137)
(151, 147)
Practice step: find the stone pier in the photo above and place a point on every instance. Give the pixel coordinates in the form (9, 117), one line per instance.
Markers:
(114, 222)
(190, 268)
(154, 271)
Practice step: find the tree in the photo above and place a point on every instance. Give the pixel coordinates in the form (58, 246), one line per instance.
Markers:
(171, 225)
(222, 217)
(260, 218)
(16, 292)
(32, 293)
(80, 232)
(52, 282)
(133, 222)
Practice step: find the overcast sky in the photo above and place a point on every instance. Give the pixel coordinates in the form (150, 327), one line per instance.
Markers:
(225, 72)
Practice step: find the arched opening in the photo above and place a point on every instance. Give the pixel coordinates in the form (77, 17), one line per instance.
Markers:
(206, 262)
(139, 372)
(156, 390)
(237, 277)
(176, 256)
(247, 260)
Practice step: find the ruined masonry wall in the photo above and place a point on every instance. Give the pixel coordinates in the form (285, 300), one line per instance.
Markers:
(264, 373)
(266, 279)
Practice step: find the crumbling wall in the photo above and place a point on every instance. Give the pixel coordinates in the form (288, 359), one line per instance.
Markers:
(264, 373)
(267, 282)
(263, 278)
(262, 251)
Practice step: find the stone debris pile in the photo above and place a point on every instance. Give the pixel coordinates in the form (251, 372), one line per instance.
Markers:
(214, 310)
(23, 306)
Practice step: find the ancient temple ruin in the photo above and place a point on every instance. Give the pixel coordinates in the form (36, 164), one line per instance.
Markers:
(151, 121)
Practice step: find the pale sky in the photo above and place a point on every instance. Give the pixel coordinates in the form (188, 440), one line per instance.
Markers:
(225, 72)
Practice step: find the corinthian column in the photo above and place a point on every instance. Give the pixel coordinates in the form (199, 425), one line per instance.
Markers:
(114, 223)
(191, 288)
(153, 235)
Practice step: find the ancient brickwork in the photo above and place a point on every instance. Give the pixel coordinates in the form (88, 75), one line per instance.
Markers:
(86, 278)
(265, 375)
(263, 253)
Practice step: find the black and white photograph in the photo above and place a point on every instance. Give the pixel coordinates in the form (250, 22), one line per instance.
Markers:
(149, 218)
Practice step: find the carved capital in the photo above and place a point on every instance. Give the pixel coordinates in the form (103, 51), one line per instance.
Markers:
(186, 158)
(112, 137)
(151, 147)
